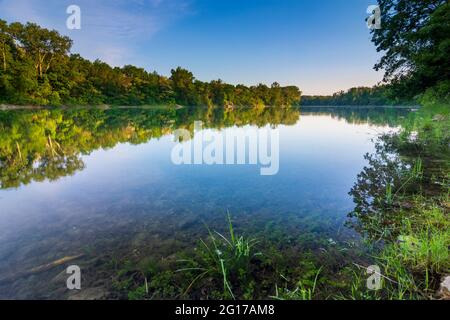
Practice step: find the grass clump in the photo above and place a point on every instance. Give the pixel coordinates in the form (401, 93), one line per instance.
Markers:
(224, 260)
(420, 257)
(305, 290)
(412, 266)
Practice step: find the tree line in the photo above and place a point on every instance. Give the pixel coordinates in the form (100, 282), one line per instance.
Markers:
(37, 68)
(359, 96)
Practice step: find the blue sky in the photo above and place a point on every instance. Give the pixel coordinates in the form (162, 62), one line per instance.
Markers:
(322, 46)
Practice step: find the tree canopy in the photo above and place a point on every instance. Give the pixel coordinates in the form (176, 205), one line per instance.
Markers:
(414, 39)
(360, 96)
(37, 68)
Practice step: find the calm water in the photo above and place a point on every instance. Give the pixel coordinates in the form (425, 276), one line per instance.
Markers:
(101, 184)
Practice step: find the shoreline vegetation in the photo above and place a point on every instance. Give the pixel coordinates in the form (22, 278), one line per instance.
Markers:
(6, 107)
(37, 68)
(401, 197)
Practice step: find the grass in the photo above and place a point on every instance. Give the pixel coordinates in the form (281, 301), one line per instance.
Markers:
(408, 177)
(303, 291)
(231, 267)
(413, 265)
(414, 253)
(227, 259)
(421, 251)
(402, 201)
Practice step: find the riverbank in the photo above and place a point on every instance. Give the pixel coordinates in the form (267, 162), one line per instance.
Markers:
(411, 107)
(7, 107)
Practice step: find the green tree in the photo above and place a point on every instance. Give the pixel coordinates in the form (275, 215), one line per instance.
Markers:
(414, 40)
(36, 67)
(183, 86)
(5, 43)
(43, 46)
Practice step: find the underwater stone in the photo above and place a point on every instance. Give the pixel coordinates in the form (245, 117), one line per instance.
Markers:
(444, 291)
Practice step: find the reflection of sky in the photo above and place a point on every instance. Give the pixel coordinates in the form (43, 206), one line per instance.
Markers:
(319, 160)
(320, 45)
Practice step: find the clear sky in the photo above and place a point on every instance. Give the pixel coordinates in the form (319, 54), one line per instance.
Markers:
(322, 46)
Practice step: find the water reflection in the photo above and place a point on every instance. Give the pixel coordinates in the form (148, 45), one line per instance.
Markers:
(100, 183)
(47, 144)
(35, 145)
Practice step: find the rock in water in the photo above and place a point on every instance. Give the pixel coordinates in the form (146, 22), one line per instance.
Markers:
(444, 291)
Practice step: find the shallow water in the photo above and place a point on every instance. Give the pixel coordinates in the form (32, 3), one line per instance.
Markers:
(102, 184)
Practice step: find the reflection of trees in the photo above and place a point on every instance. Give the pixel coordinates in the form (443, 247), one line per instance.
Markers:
(376, 212)
(47, 144)
(219, 118)
(386, 188)
(374, 116)
(51, 168)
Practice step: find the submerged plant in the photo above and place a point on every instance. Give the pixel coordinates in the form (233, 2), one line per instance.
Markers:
(401, 198)
(224, 260)
(422, 248)
(412, 266)
(302, 291)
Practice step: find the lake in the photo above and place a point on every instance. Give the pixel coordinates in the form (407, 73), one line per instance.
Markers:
(97, 187)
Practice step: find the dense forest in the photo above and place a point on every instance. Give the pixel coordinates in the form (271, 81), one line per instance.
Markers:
(37, 68)
(361, 96)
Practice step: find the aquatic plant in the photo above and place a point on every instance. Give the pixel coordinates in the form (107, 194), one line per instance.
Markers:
(402, 199)
(227, 259)
(302, 291)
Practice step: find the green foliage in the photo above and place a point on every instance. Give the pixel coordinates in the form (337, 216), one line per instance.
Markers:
(415, 43)
(137, 294)
(361, 96)
(225, 260)
(36, 68)
(423, 247)
(402, 198)
(426, 134)
(48, 144)
(439, 94)
(413, 265)
(407, 164)
(303, 291)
